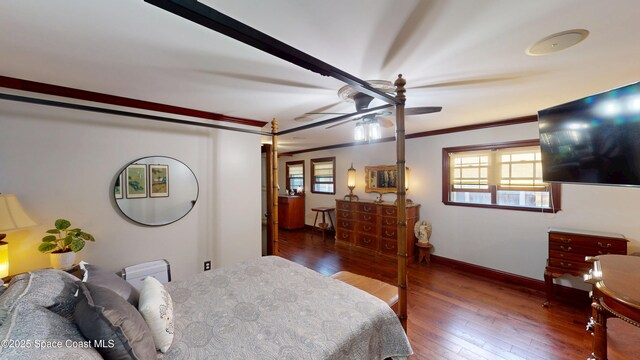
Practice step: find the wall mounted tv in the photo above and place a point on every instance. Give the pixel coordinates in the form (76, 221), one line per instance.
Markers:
(594, 140)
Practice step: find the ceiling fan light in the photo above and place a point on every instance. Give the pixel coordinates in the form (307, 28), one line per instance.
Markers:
(374, 131)
(358, 132)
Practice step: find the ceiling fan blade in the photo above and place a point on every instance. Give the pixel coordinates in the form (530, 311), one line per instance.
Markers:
(466, 82)
(385, 122)
(341, 123)
(319, 111)
(422, 110)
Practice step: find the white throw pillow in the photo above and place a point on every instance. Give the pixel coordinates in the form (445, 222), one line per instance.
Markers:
(156, 308)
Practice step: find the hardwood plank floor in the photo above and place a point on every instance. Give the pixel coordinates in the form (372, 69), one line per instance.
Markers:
(454, 314)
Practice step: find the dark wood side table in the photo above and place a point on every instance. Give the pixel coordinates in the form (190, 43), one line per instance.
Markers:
(424, 252)
(614, 279)
(324, 225)
(568, 249)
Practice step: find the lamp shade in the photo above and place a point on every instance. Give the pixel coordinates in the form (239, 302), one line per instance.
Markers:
(351, 177)
(12, 215)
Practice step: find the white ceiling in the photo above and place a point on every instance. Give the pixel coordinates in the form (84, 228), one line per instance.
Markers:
(465, 55)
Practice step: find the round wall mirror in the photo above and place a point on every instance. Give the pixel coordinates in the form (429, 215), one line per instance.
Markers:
(155, 190)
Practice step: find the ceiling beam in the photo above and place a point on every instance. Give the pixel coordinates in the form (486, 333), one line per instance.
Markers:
(72, 93)
(202, 14)
(64, 105)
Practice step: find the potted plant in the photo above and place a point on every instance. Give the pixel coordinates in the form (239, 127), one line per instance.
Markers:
(63, 243)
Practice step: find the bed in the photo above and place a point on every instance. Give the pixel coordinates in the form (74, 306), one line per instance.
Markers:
(268, 308)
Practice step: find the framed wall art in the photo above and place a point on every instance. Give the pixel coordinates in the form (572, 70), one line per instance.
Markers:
(159, 180)
(117, 188)
(381, 179)
(136, 181)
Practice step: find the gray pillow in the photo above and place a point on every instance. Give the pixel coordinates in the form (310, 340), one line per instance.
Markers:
(17, 288)
(101, 277)
(53, 289)
(105, 317)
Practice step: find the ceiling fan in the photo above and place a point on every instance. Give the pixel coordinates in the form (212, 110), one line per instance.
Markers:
(368, 126)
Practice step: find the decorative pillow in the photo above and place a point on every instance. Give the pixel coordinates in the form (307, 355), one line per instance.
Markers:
(17, 288)
(156, 308)
(53, 289)
(98, 276)
(105, 317)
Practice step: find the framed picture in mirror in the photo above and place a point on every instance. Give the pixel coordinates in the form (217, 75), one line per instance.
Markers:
(117, 188)
(159, 180)
(136, 181)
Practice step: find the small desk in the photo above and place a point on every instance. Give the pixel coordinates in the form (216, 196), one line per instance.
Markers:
(323, 225)
(614, 279)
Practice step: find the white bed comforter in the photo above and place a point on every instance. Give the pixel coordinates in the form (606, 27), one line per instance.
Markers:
(272, 308)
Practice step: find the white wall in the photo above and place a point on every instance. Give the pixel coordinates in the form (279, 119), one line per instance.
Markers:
(62, 164)
(505, 240)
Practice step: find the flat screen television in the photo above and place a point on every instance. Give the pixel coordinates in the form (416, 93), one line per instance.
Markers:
(594, 140)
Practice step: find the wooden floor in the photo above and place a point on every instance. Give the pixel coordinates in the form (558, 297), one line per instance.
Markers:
(456, 315)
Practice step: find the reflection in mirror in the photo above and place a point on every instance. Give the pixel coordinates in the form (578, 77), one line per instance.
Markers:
(155, 190)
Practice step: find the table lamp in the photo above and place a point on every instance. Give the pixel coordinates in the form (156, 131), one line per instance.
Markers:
(351, 183)
(12, 217)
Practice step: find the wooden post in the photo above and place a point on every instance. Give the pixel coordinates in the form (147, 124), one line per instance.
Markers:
(401, 202)
(274, 182)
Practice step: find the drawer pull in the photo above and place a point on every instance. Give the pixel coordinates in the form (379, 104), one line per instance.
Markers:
(389, 211)
(603, 245)
(367, 217)
(367, 208)
(565, 264)
(390, 222)
(367, 228)
(393, 246)
(344, 236)
(345, 214)
(564, 240)
(568, 248)
(345, 224)
(387, 233)
(366, 241)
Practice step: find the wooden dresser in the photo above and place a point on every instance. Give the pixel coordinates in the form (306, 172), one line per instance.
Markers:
(374, 226)
(291, 212)
(568, 249)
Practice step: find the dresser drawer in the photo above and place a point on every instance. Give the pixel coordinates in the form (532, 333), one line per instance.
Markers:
(345, 205)
(345, 224)
(570, 265)
(600, 243)
(345, 215)
(345, 236)
(389, 211)
(582, 250)
(367, 240)
(368, 208)
(367, 228)
(389, 247)
(389, 221)
(566, 256)
(366, 217)
(389, 232)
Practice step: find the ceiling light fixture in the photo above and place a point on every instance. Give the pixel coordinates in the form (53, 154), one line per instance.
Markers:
(367, 130)
(556, 42)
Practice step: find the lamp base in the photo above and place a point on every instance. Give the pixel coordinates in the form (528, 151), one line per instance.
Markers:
(379, 200)
(351, 197)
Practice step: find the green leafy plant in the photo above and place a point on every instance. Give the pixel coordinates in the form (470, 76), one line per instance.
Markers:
(62, 239)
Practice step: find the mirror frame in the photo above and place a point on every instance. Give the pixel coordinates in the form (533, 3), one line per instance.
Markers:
(376, 171)
(122, 177)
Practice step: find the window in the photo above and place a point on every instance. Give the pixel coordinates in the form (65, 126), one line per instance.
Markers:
(323, 175)
(505, 176)
(295, 175)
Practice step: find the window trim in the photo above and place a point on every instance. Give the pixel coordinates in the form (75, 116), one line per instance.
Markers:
(287, 178)
(313, 177)
(556, 195)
